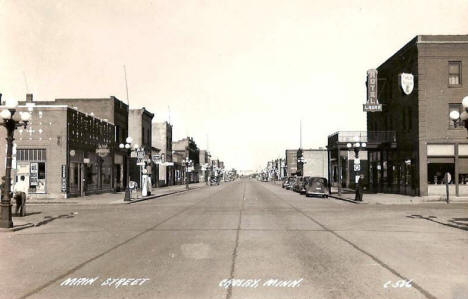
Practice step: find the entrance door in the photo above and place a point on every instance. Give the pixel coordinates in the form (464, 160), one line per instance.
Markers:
(76, 179)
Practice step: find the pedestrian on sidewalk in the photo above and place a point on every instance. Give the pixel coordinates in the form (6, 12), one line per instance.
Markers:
(359, 188)
(21, 191)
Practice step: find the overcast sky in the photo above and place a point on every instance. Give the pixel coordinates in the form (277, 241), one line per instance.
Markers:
(239, 73)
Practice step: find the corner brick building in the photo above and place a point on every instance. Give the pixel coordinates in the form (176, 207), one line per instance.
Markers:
(428, 143)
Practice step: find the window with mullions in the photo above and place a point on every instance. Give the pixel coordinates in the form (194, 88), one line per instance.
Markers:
(454, 107)
(31, 155)
(454, 73)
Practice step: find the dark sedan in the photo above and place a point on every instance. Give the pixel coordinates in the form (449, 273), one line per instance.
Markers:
(316, 186)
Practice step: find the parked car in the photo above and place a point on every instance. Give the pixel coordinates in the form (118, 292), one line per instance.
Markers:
(317, 186)
(299, 184)
(292, 181)
(285, 182)
(302, 187)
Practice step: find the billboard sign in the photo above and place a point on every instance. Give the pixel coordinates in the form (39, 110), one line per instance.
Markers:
(372, 104)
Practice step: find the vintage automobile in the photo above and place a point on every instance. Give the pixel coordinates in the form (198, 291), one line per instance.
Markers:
(291, 182)
(286, 182)
(299, 185)
(316, 186)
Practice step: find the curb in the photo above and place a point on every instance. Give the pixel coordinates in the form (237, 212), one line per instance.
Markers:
(160, 195)
(348, 200)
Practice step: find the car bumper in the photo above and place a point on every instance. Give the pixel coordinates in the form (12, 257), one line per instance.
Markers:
(316, 193)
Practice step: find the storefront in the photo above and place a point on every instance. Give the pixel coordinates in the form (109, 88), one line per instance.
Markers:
(31, 163)
(451, 159)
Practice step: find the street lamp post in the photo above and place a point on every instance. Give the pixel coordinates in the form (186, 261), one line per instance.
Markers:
(11, 121)
(357, 146)
(458, 119)
(128, 147)
(187, 163)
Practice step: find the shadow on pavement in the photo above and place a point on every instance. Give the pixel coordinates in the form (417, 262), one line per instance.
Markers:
(27, 214)
(451, 223)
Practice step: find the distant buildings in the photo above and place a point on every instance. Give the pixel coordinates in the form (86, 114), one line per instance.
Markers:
(187, 148)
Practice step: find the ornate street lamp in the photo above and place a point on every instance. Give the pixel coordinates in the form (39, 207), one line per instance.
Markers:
(357, 146)
(11, 120)
(458, 118)
(187, 163)
(128, 147)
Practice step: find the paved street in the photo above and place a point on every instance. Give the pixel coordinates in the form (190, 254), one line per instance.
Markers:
(192, 244)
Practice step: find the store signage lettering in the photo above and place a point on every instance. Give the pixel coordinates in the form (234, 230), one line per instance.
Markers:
(372, 104)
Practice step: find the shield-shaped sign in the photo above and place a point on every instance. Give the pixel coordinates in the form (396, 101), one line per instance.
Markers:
(407, 83)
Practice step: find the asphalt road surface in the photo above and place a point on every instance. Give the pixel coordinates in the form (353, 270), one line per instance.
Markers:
(244, 239)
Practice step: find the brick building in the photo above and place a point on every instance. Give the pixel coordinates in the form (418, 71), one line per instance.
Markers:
(162, 139)
(62, 153)
(291, 162)
(428, 143)
(116, 112)
(140, 129)
(187, 147)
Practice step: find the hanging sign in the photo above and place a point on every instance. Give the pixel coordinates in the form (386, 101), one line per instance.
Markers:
(372, 104)
(102, 150)
(406, 83)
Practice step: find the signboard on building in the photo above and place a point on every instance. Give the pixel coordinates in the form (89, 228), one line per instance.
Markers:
(140, 154)
(64, 178)
(372, 104)
(33, 173)
(102, 150)
(406, 83)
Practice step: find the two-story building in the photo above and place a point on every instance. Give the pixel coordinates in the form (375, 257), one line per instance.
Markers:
(418, 87)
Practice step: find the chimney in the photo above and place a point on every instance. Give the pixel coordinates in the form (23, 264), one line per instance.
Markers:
(29, 98)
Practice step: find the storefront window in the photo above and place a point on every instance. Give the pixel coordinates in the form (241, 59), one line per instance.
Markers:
(436, 172)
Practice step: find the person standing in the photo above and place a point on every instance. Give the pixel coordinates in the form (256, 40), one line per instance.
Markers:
(21, 190)
(359, 188)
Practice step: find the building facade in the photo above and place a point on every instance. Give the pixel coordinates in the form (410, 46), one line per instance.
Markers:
(205, 165)
(63, 153)
(140, 129)
(291, 162)
(316, 162)
(162, 139)
(428, 143)
(116, 112)
(188, 148)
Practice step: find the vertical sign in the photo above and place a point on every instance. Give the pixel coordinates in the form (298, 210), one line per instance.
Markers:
(372, 104)
(64, 178)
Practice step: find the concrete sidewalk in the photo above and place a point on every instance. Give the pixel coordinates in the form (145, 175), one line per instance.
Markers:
(36, 218)
(115, 198)
(396, 199)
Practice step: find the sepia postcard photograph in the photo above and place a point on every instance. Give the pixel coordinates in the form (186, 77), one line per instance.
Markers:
(233, 149)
